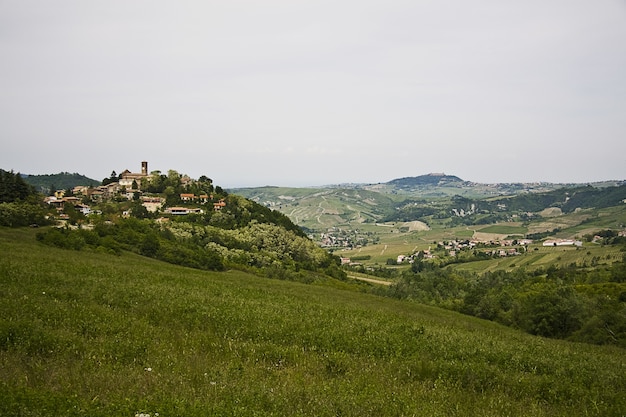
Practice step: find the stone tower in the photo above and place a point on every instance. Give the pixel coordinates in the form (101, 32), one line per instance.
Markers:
(144, 168)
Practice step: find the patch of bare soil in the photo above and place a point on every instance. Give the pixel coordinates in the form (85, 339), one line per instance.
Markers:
(416, 226)
(551, 212)
(488, 237)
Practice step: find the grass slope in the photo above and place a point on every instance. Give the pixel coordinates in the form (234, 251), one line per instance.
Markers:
(94, 334)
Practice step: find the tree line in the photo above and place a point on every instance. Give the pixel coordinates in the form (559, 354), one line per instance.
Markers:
(573, 303)
(19, 203)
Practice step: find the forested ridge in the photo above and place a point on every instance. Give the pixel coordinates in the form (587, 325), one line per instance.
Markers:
(48, 183)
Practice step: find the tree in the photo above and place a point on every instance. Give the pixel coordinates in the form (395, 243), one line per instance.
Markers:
(150, 245)
(551, 312)
(13, 187)
(74, 215)
(138, 210)
(113, 178)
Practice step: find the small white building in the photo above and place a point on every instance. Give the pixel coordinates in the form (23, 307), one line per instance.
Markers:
(183, 211)
(562, 242)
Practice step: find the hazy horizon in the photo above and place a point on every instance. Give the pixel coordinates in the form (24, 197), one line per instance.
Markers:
(339, 183)
(312, 93)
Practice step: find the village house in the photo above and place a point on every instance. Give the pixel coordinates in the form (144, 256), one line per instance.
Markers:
(95, 195)
(109, 190)
(202, 198)
(187, 197)
(59, 203)
(219, 205)
(83, 208)
(80, 190)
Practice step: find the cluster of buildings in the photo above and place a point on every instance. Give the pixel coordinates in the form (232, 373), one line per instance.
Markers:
(129, 186)
(336, 237)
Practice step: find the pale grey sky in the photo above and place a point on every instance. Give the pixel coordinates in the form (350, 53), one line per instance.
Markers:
(294, 93)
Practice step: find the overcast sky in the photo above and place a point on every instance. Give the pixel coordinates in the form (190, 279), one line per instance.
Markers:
(296, 93)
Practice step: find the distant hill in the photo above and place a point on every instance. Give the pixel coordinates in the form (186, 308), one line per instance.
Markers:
(60, 181)
(433, 179)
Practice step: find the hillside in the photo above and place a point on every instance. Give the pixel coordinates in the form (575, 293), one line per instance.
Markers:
(173, 218)
(100, 334)
(360, 216)
(61, 181)
(319, 209)
(433, 179)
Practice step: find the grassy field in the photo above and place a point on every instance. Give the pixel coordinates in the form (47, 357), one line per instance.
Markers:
(544, 257)
(393, 241)
(85, 333)
(504, 229)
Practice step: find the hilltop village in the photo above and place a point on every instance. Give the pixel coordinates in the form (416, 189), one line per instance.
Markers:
(171, 194)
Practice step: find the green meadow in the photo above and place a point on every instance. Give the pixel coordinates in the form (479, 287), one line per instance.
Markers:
(95, 334)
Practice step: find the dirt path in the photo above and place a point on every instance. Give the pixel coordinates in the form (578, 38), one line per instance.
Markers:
(371, 280)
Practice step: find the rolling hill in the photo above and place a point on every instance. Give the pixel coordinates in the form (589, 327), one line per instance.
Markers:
(61, 181)
(100, 334)
(433, 179)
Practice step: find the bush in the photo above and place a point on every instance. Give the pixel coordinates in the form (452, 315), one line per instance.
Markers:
(62, 238)
(18, 214)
